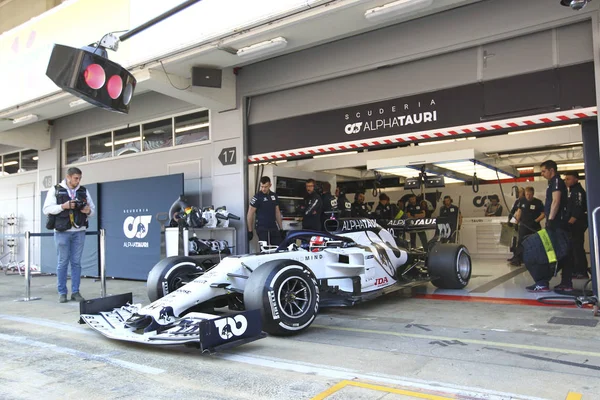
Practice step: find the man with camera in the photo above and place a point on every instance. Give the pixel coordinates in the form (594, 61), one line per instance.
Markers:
(68, 206)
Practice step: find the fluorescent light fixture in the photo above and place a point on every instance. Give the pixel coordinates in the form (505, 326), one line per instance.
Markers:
(525, 169)
(35, 158)
(6, 164)
(566, 167)
(123, 141)
(468, 167)
(25, 118)
(76, 103)
(336, 154)
(543, 129)
(192, 127)
(263, 48)
(396, 9)
(401, 171)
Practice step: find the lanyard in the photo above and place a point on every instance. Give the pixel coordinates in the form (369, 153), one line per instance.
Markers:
(72, 193)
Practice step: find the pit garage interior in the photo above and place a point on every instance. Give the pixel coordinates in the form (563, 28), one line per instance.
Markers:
(461, 87)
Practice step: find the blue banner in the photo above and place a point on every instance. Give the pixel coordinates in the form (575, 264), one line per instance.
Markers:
(128, 215)
(89, 259)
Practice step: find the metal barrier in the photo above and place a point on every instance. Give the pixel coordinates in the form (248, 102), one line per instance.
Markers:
(28, 235)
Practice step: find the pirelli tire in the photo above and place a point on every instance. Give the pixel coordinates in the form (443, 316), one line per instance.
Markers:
(287, 294)
(170, 274)
(449, 265)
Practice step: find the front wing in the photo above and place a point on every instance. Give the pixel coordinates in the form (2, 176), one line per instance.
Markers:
(206, 331)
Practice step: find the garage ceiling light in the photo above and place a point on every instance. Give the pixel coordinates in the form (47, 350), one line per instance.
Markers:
(123, 141)
(401, 171)
(468, 167)
(396, 9)
(549, 128)
(262, 48)
(192, 127)
(566, 167)
(336, 154)
(25, 118)
(6, 164)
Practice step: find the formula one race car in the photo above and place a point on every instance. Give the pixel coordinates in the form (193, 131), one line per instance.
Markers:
(279, 290)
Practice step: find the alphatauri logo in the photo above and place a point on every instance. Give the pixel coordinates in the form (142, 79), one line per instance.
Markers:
(136, 227)
(353, 128)
(231, 326)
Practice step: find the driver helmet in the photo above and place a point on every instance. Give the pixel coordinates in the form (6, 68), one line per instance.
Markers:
(318, 243)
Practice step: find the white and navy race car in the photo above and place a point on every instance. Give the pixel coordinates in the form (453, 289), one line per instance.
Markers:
(279, 291)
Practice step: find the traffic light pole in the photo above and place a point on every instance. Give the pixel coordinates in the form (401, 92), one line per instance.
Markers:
(157, 19)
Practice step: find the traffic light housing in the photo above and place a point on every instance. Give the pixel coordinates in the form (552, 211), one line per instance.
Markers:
(92, 78)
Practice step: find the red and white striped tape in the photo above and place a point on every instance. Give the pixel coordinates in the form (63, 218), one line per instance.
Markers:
(530, 121)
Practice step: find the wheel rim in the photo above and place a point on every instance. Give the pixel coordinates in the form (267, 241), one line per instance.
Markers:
(294, 297)
(464, 265)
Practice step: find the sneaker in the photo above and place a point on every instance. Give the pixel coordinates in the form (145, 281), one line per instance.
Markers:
(563, 287)
(77, 297)
(62, 298)
(537, 288)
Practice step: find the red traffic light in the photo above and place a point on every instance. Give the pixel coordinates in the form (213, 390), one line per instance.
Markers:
(115, 87)
(94, 76)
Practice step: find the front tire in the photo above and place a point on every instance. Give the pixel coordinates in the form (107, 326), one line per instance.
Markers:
(287, 295)
(170, 274)
(449, 265)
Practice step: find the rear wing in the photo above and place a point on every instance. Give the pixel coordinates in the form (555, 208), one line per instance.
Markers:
(442, 225)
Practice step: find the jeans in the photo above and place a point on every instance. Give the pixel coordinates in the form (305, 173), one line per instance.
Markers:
(69, 247)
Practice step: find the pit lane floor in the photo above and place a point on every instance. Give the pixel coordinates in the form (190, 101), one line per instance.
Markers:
(396, 347)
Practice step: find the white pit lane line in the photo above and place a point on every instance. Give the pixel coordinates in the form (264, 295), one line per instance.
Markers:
(268, 362)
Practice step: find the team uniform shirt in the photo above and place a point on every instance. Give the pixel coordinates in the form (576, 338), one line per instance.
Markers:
(451, 214)
(413, 210)
(530, 211)
(265, 205)
(313, 206)
(360, 210)
(344, 206)
(330, 204)
(556, 184)
(577, 205)
(384, 212)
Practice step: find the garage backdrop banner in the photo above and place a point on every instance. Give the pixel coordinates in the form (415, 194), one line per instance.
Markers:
(129, 211)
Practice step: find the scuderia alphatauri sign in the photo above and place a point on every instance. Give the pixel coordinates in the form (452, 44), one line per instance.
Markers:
(423, 112)
(375, 120)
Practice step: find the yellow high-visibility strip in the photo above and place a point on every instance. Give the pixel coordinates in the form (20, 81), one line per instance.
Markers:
(548, 246)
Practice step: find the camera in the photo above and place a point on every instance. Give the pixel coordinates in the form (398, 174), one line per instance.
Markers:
(79, 203)
(574, 4)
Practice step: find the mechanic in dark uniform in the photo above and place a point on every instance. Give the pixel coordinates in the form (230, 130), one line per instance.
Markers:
(313, 206)
(384, 210)
(265, 206)
(413, 210)
(359, 208)
(554, 210)
(330, 204)
(577, 224)
(511, 214)
(344, 205)
(454, 218)
(529, 214)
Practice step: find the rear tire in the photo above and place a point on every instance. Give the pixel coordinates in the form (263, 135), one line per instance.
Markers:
(287, 295)
(170, 274)
(449, 265)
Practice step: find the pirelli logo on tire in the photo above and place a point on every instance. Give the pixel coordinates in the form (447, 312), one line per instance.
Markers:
(273, 303)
